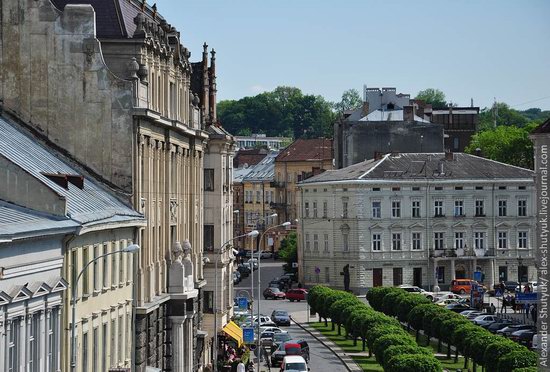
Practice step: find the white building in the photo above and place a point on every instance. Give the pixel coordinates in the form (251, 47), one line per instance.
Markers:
(256, 140)
(418, 219)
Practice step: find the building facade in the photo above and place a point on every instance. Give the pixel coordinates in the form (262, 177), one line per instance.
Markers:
(297, 162)
(126, 82)
(261, 140)
(419, 219)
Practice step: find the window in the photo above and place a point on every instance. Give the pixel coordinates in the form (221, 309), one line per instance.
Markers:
(129, 270)
(502, 208)
(438, 240)
(314, 209)
(345, 209)
(209, 238)
(327, 274)
(438, 208)
(522, 208)
(306, 209)
(34, 343)
(396, 242)
(315, 243)
(104, 354)
(459, 208)
(397, 276)
(416, 208)
(326, 242)
(96, 268)
(376, 189)
(74, 260)
(479, 187)
(396, 209)
(346, 242)
(502, 239)
(458, 188)
(95, 344)
(52, 339)
(258, 196)
(522, 239)
(376, 242)
(307, 242)
(440, 272)
(13, 346)
(503, 273)
(121, 267)
(502, 187)
(113, 339)
(459, 240)
(376, 209)
(85, 352)
(438, 188)
(456, 143)
(114, 279)
(479, 240)
(480, 210)
(397, 188)
(325, 209)
(85, 277)
(522, 188)
(208, 179)
(121, 339)
(416, 188)
(416, 241)
(105, 266)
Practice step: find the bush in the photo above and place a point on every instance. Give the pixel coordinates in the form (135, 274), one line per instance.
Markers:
(408, 302)
(329, 299)
(389, 303)
(517, 360)
(413, 363)
(476, 343)
(354, 324)
(526, 369)
(380, 330)
(416, 315)
(433, 312)
(460, 333)
(338, 307)
(376, 295)
(382, 343)
(346, 313)
(395, 350)
(497, 349)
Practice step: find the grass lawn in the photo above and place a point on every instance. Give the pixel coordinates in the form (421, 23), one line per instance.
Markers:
(370, 364)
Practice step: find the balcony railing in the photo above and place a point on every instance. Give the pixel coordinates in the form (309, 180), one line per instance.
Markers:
(278, 205)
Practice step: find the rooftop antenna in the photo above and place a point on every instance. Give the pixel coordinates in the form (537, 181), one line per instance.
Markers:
(471, 102)
(495, 112)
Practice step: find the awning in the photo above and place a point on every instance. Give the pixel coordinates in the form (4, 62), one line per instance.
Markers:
(235, 332)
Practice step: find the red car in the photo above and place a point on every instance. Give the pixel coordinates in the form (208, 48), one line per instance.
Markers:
(297, 294)
(273, 293)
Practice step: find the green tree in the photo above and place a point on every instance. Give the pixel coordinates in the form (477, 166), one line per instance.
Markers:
(288, 249)
(432, 96)
(505, 115)
(507, 144)
(351, 99)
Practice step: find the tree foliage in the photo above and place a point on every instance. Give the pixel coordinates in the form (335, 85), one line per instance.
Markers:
(432, 96)
(288, 251)
(351, 99)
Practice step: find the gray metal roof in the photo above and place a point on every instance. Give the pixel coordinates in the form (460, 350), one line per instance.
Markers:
(91, 203)
(240, 173)
(264, 170)
(432, 166)
(15, 220)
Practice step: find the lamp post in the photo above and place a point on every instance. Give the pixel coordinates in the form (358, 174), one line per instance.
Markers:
(284, 224)
(129, 249)
(252, 234)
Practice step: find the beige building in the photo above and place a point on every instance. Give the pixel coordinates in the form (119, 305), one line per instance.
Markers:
(119, 94)
(418, 219)
(41, 181)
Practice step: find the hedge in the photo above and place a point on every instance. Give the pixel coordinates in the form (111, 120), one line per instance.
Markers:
(384, 342)
(517, 360)
(395, 350)
(413, 363)
(498, 349)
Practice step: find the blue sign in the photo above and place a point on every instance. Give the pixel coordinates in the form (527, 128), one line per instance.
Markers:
(498, 293)
(478, 276)
(248, 335)
(526, 298)
(243, 303)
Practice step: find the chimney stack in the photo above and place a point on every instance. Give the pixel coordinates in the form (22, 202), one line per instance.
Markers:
(408, 113)
(365, 109)
(449, 155)
(479, 153)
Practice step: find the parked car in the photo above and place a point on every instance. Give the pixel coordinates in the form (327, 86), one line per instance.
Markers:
(249, 254)
(534, 286)
(447, 301)
(474, 315)
(265, 321)
(294, 363)
(468, 312)
(462, 286)
(291, 347)
(244, 270)
(507, 331)
(238, 274)
(266, 338)
(266, 254)
(292, 276)
(501, 323)
(415, 289)
(484, 319)
(275, 330)
(446, 296)
(236, 278)
(535, 342)
(276, 284)
(280, 317)
(524, 336)
(281, 337)
(253, 262)
(274, 293)
(296, 294)
(458, 307)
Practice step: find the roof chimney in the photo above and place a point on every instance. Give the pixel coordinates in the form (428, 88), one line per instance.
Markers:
(449, 155)
(365, 109)
(478, 152)
(408, 113)
(378, 155)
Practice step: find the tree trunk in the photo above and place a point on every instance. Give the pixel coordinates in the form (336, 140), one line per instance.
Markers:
(320, 320)
(326, 323)
(474, 366)
(364, 343)
(466, 363)
(428, 342)
(332, 325)
(417, 334)
(354, 340)
(456, 355)
(339, 330)
(439, 345)
(448, 350)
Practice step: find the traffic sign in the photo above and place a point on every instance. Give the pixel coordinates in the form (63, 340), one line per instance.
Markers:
(526, 298)
(243, 303)
(248, 335)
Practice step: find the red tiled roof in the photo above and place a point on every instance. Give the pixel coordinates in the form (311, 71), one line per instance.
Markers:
(543, 128)
(307, 150)
(249, 156)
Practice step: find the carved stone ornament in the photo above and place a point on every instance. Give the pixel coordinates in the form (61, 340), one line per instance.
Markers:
(133, 68)
(177, 252)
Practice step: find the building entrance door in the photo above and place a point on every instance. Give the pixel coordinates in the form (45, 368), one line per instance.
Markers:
(376, 277)
(460, 272)
(417, 276)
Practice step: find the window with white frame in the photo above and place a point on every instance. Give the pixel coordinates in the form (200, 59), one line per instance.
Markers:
(113, 343)
(438, 208)
(121, 257)
(53, 334)
(345, 238)
(314, 209)
(396, 241)
(480, 208)
(502, 204)
(306, 209)
(503, 239)
(85, 352)
(114, 270)
(258, 196)
(315, 243)
(479, 240)
(307, 242)
(377, 242)
(104, 336)
(345, 209)
(396, 209)
(376, 209)
(96, 268)
(459, 240)
(85, 277)
(522, 208)
(415, 208)
(459, 208)
(95, 349)
(523, 239)
(34, 343)
(439, 240)
(13, 345)
(416, 241)
(105, 266)
(325, 209)
(326, 242)
(121, 339)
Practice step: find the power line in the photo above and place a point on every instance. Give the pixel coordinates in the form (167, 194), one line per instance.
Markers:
(534, 100)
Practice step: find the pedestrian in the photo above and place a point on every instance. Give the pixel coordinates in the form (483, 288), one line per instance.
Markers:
(513, 303)
(526, 308)
(299, 284)
(493, 309)
(534, 313)
(526, 289)
(502, 287)
(241, 367)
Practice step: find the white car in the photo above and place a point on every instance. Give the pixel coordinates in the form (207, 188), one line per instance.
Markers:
(271, 329)
(447, 301)
(446, 296)
(253, 262)
(266, 254)
(468, 312)
(535, 343)
(294, 363)
(265, 321)
(415, 289)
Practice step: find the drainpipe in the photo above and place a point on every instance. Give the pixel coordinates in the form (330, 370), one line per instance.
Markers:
(427, 237)
(66, 241)
(494, 232)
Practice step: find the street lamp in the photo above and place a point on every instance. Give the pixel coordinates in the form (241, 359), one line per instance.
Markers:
(132, 248)
(252, 234)
(284, 224)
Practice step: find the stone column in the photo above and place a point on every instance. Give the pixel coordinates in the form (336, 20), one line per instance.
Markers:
(453, 271)
(178, 343)
(492, 274)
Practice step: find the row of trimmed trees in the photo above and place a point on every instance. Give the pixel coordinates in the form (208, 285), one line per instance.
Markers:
(493, 353)
(394, 348)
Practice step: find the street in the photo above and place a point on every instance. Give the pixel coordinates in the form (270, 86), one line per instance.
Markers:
(322, 359)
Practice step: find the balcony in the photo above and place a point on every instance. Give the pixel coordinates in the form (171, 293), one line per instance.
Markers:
(277, 184)
(278, 205)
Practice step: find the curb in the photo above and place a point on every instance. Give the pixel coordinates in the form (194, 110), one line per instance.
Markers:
(349, 366)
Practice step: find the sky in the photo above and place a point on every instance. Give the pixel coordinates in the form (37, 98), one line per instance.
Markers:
(469, 49)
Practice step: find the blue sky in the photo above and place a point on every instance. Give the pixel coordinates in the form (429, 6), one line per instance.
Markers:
(476, 49)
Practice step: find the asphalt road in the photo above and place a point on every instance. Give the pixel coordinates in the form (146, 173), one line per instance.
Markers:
(321, 358)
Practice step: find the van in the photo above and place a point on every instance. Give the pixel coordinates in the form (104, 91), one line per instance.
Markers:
(462, 286)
